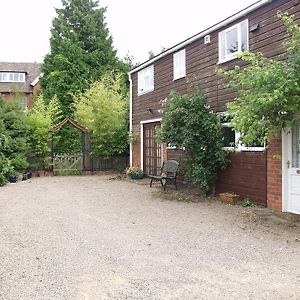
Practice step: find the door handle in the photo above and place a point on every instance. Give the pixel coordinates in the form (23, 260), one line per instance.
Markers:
(288, 164)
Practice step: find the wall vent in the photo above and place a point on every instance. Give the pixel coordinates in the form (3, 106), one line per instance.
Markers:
(207, 39)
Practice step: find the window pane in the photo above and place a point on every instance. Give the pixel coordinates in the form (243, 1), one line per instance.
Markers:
(23, 102)
(244, 36)
(22, 77)
(296, 146)
(16, 77)
(232, 41)
(228, 137)
(179, 64)
(11, 77)
(146, 80)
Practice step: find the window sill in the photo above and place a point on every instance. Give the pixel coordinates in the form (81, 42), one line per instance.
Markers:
(145, 92)
(220, 62)
(244, 149)
(181, 77)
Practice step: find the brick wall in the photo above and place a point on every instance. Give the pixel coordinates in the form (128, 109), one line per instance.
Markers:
(246, 175)
(274, 173)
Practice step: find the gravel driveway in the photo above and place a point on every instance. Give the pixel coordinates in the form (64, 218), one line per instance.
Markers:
(94, 238)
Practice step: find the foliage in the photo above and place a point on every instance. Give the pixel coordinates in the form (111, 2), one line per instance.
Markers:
(40, 118)
(268, 90)
(81, 52)
(13, 140)
(190, 124)
(68, 139)
(103, 110)
(134, 172)
(5, 169)
(245, 202)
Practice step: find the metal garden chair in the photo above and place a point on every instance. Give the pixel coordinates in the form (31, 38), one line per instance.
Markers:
(168, 174)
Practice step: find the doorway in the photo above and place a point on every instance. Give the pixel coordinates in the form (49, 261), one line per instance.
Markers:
(152, 150)
(292, 169)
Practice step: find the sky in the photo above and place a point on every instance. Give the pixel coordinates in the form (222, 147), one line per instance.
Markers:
(137, 26)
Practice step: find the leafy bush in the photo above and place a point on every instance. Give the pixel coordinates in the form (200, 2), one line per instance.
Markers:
(5, 169)
(103, 110)
(189, 123)
(245, 202)
(268, 90)
(40, 118)
(134, 172)
(13, 140)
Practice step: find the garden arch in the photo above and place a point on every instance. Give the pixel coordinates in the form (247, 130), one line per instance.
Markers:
(73, 162)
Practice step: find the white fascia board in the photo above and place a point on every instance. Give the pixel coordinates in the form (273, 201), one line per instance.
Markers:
(209, 30)
(151, 121)
(35, 81)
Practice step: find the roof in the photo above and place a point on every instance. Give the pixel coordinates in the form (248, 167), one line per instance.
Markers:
(201, 34)
(32, 71)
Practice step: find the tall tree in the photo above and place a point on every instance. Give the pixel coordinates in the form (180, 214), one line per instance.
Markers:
(81, 51)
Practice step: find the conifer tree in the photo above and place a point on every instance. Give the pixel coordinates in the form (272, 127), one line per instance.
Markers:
(81, 51)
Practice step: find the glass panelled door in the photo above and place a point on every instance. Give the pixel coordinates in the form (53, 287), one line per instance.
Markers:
(294, 172)
(152, 150)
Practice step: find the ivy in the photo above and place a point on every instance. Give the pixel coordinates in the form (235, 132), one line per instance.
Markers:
(189, 123)
(268, 90)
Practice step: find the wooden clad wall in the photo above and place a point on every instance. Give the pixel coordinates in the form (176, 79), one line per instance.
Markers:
(201, 63)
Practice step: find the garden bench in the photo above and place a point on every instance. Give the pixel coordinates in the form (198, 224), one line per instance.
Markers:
(168, 173)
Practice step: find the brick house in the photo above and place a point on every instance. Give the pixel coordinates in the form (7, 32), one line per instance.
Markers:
(270, 176)
(19, 80)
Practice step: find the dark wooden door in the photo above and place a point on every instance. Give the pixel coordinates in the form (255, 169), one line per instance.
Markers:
(152, 150)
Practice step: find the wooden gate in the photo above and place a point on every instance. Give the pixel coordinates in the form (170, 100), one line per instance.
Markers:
(152, 150)
(67, 163)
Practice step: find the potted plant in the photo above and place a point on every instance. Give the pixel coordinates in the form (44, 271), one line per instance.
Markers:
(134, 173)
(229, 197)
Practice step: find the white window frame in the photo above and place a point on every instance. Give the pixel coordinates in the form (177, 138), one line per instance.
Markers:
(11, 77)
(239, 147)
(145, 75)
(236, 139)
(179, 64)
(223, 57)
(23, 102)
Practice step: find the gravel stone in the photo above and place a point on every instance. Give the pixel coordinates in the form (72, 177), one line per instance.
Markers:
(90, 237)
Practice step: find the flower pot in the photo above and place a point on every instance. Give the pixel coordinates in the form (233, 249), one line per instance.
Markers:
(229, 198)
(137, 176)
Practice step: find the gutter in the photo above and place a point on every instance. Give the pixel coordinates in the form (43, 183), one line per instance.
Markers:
(207, 31)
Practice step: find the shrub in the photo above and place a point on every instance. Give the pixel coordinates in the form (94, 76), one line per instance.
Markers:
(189, 123)
(103, 109)
(134, 172)
(13, 140)
(245, 202)
(39, 120)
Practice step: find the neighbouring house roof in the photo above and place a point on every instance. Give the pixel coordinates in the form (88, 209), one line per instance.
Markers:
(32, 71)
(201, 34)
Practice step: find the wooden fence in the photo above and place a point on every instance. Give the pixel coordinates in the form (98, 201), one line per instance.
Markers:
(117, 163)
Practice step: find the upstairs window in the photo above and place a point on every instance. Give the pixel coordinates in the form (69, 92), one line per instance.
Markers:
(179, 68)
(146, 80)
(12, 77)
(233, 41)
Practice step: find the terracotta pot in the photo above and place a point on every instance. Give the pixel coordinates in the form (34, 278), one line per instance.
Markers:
(229, 198)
